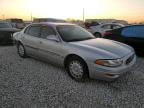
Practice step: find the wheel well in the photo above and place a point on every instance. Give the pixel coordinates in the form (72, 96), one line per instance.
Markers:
(18, 42)
(97, 33)
(75, 56)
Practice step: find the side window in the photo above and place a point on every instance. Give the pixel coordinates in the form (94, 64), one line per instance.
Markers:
(34, 31)
(106, 26)
(46, 30)
(115, 26)
(134, 31)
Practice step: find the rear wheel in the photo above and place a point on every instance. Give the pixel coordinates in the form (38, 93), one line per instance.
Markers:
(21, 50)
(77, 68)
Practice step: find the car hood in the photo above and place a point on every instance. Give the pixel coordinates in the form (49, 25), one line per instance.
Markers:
(105, 47)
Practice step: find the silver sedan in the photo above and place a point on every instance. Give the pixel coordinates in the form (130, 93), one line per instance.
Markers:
(76, 49)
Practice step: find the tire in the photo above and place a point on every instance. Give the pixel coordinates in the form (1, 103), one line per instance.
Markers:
(21, 50)
(97, 35)
(77, 68)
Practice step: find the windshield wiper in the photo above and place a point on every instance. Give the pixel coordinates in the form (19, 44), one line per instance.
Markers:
(75, 40)
(87, 38)
(80, 39)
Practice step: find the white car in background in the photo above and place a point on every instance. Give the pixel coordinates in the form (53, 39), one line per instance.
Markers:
(99, 30)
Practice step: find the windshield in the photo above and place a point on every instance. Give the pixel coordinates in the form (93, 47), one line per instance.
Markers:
(71, 33)
(5, 25)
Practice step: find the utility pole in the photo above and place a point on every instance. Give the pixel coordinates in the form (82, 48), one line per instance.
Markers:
(31, 16)
(83, 15)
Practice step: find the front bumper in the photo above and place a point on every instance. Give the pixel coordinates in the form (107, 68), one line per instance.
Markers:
(110, 73)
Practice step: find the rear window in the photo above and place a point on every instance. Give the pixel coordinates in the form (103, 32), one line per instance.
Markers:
(133, 31)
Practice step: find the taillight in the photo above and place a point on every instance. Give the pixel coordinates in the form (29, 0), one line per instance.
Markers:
(107, 33)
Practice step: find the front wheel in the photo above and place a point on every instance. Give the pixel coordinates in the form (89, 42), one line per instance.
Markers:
(77, 68)
(21, 50)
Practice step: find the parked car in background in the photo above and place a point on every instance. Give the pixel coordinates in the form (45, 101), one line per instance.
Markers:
(132, 35)
(27, 23)
(76, 49)
(16, 23)
(89, 24)
(38, 20)
(99, 30)
(6, 32)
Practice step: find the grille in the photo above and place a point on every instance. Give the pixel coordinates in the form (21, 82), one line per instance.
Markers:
(128, 61)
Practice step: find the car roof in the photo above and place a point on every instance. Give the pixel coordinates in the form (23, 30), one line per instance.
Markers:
(53, 23)
(136, 25)
(133, 25)
(48, 19)
(112, 24)
(14, 19)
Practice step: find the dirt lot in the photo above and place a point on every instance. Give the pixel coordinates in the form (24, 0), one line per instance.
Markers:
(29, 83)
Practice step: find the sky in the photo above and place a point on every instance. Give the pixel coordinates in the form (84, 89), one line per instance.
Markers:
(129, 10)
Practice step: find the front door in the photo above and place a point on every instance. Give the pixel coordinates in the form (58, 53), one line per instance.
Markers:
(49, 49)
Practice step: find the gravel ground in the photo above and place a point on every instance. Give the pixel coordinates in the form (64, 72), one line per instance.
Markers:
(29, 83)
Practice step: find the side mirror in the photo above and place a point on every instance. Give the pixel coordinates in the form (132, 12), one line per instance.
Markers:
(53, 38)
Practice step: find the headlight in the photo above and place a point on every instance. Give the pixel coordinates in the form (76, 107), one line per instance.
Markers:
(109, 63)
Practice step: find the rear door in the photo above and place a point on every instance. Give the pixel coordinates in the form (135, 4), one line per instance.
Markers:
(31, 39)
